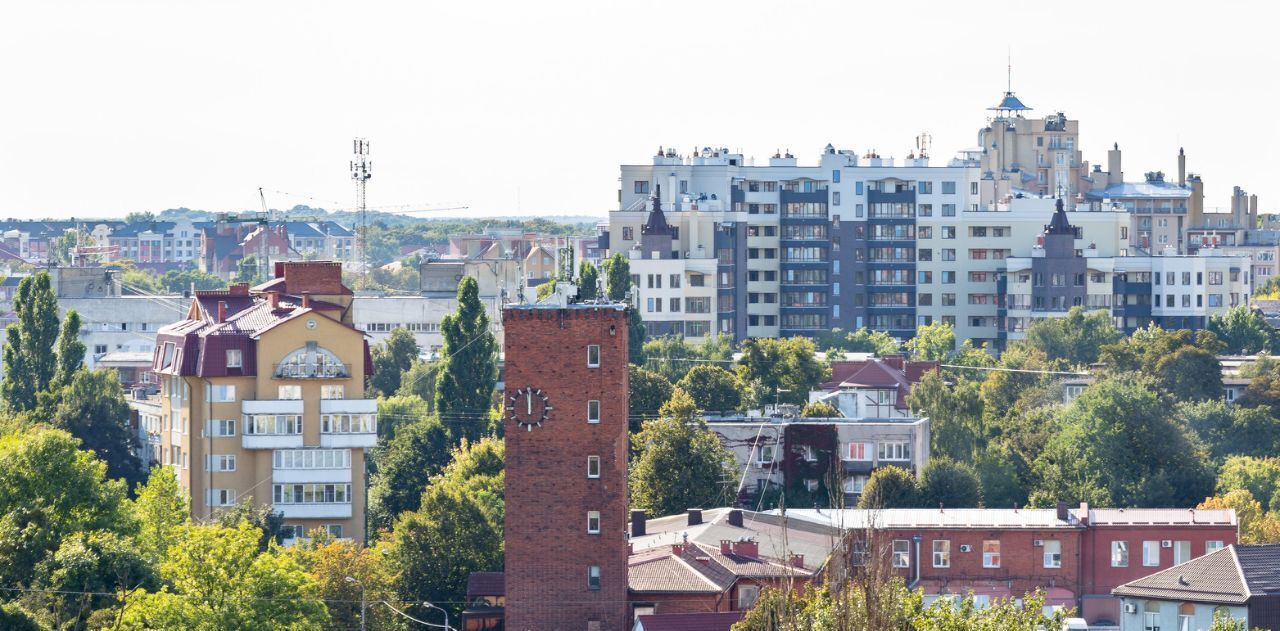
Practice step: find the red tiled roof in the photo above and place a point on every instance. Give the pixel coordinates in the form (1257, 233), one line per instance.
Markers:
(718, 621)
(878, 373)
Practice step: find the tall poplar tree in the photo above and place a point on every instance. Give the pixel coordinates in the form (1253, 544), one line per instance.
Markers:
(470, 370)
(30, 361)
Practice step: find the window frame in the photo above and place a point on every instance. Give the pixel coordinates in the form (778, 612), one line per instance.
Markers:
(593, 522)
(596, 461)
(593, 411)
(943, 554)
(593, 355)
(991, 558)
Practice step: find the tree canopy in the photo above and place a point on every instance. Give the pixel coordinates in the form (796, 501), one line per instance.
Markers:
(680, 462)
(391, 359)
(470, 365)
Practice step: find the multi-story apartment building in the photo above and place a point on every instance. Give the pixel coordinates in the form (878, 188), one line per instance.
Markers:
(1037, 156)
(1171, 290)
(262, 399)
(156, 244)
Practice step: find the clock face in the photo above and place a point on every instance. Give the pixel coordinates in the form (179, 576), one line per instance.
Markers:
(311, 324)
(528, 407)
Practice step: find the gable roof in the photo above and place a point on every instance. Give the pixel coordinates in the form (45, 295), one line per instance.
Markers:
(1228, 576)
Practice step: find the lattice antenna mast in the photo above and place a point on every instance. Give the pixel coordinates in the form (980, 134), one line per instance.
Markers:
(361, 171)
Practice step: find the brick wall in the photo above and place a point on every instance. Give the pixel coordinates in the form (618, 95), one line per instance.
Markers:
(548, 494)
(1021, 568)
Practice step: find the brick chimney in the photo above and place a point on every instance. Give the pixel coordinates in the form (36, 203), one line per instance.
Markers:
(222, 311)
(1063, 515)
(746, 548)
(274, 298)
(726, 547)
(797, 561)
(306, 300)
(695, 516)
(1084, 513)
(637, 523)
(895, 361)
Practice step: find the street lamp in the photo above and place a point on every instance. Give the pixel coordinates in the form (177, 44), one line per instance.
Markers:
(446, 614)
(352, 581)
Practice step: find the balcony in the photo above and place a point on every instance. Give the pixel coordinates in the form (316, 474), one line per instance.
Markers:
(321, 370)
(348, 423)
(285, 476)
(275, 424)
(332, 510)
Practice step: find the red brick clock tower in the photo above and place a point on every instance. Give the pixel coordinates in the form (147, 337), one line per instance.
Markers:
(566, 467)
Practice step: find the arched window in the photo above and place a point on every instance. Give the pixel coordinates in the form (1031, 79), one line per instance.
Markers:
(1186, 616)
(311, 362)
(1151, 615)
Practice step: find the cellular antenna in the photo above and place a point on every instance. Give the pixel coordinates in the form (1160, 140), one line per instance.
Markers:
(361, 171)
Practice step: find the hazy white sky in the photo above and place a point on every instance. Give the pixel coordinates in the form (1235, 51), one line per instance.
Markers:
(112, 106)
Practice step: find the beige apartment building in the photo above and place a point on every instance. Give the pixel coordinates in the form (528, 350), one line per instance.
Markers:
(262, 399)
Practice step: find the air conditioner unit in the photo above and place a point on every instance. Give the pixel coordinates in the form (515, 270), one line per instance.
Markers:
(1166, 544)
(965, 548)
(1130, 608)
(1039, 543)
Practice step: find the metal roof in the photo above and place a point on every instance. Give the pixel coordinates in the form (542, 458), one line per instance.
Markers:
(1010, 102)
(1036, 518)
(1141, 189)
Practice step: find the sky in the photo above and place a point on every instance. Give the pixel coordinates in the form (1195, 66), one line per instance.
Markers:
(528, 108)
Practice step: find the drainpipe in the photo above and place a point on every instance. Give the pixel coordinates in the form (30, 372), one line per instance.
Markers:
(916, 539)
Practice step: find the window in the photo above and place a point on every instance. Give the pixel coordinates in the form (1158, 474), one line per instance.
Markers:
(593, 466)
(332, 392)
(675, 305)
(991, 554)
(272, 424)
(858, 451)
(348, 423)
(1151, 616)
(901, 553)
(941, 553)
(221, 497)
(222, 394)
(290, 393)
(810, 485)
(674, 281)
(1119, 554)
(898, 450)
(311, 493)
(948, 210)
(593, 356)
(311, 459)
(835, 198)
(1212, 546)
(747, 596)
(593, 577)
(221, 427)
(948, 188)
(334, 530)
(593, 522)
(948, 232)
(593, 411)
(1186, 613)
(233, 358)
(1151, 553)
(766, 455)
(220, 462)
(1181, 552)
(641, 187)
(1052, 553)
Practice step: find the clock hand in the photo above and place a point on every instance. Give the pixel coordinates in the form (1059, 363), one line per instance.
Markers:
(529, 400)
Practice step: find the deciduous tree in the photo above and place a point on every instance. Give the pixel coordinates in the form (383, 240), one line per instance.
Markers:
(945, 482)
(1243, 330)
(391, 359)
(680, 463)
(890, 487)
(161, 506)
(713, 388)
(92, 407)
(781, 370)
(649, 392)
(419, 451)
(1075, 337)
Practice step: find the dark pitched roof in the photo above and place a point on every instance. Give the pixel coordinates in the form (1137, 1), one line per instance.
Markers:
(1229, 576)
(486, 584)
(657, 222)
(1059, 224)
(719, 621)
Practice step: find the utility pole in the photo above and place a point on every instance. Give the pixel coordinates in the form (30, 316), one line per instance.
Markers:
(361, 171)
(362, 602)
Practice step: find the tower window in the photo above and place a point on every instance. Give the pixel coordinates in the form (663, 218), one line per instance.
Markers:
(593, 522)
(593, 356)
(593, 577)
(593, 466)
(593, 411)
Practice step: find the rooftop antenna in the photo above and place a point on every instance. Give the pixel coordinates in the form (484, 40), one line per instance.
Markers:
(1009, 69)
(361, 171)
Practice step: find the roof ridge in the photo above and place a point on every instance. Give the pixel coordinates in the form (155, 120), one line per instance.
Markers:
(1235, 559)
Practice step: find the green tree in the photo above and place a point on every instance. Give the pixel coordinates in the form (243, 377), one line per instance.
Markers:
(217, 579)
(782, 370)
(1075, 337)
(140, 216)
(477, 469)
(1190, 374)
(890, 487)
(419, 451)
(470, 369)
(265, 520)
(955, 415)
(680, 462)
(50, 490)
(588, 281)
(161, 506)
(1259, 476)
(1231, 429)
(249, 270)
(70, 350)
(1255, 524)
(1263, 390)
(29, 357)
(420, 381)
(1103, 452)
(92, 407)
(391, 359)
(861, 341)
(435, 548)
(84, 582)
(932, 342)
(999, 479)
(945, 482)
(819, 409)
(1001, 389)
(348, 575)
(396, 412)
(617, 275)
(649, 391)
(713, 388)
(670, 356)
(1243, 330)
(179, 281)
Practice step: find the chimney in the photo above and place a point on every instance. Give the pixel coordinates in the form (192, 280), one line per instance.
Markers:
(274, 297)
(735, 517)
(746, 548)
(797, 561)
(1182, 167)
(1084, 513)
(306, 300)
(726, 547)
(222, 311)
(1114, 174)
(1062, 511)
(695, 516)
(637, 523)
(894, 361)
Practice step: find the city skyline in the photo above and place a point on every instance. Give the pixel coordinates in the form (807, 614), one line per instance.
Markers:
(124, 110)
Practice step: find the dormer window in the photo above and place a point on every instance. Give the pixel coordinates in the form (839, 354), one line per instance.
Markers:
(312, 362)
